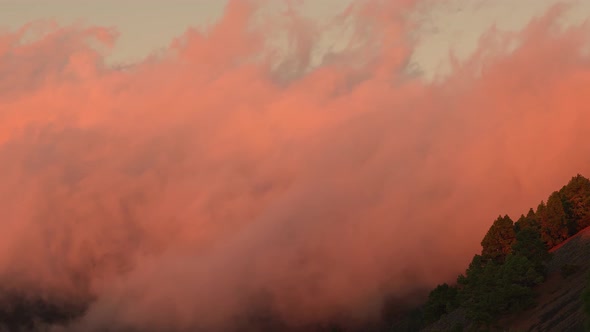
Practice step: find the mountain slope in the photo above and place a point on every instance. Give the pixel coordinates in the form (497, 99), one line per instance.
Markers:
(559, 305)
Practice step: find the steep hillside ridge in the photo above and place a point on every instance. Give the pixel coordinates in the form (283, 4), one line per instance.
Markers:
(559, 304)
(516, 283)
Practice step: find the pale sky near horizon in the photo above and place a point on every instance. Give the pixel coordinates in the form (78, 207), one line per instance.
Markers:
(152, 24)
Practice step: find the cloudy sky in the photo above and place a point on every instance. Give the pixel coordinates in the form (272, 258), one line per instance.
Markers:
(227, 175)
(149, 25)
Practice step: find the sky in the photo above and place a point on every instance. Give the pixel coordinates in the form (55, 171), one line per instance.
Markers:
(306, 165)
(148, 26)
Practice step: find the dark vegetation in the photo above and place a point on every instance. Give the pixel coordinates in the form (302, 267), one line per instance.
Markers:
(502, 279)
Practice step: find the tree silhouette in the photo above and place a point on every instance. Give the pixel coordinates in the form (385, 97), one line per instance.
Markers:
(529, 244)
(576, 200)
(554, 224)
(530, 221)
(513, 259)
(443, 299)
(497, 243)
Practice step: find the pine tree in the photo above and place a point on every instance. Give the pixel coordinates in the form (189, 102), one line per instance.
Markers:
(513, 259)
(478, 292)
(541, 215)
(576, 199)
(530, 221)
(517, 276)
(556, 225)
(529, 244)
(442, 300)
(497, 243)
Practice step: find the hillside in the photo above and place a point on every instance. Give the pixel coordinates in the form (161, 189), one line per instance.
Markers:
(529, 275)
(559, 305)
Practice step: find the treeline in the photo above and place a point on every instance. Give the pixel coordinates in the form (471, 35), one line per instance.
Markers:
(512, 261)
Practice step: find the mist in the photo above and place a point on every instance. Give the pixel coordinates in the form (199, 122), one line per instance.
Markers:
(220, 177)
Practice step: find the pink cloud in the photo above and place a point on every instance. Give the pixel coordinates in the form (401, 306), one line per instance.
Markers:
(175, 192)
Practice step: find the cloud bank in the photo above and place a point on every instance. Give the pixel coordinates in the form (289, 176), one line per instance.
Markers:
(188, 190)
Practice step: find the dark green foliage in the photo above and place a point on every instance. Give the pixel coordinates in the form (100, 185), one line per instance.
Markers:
(478, 295)
(529, 244)
(492, 289)
(530, 221)
(576, 200)
(501, 279)
(513, 258)
(553, 219)
(442, 300)
(475, 269)
(546, 233)
(569, 269)
(521, 271)
(497, 243)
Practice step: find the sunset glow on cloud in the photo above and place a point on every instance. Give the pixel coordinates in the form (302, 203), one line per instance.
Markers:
(182, 191)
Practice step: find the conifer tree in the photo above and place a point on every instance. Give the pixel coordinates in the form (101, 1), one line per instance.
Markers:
(442, 300)
(556, 225)
(576, 198)
(497, 243)
(529, 244)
